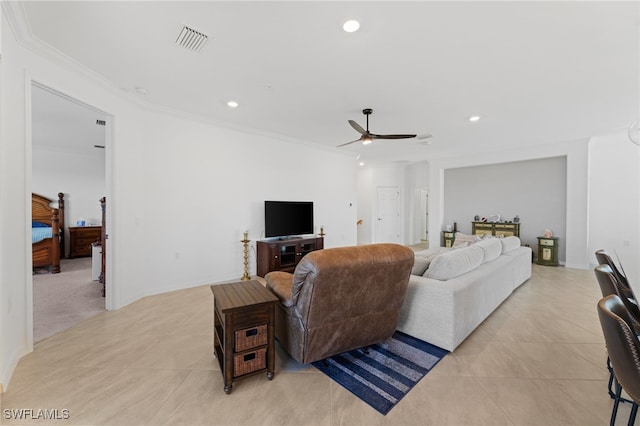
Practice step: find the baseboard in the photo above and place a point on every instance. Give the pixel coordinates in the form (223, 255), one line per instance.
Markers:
(7, 373)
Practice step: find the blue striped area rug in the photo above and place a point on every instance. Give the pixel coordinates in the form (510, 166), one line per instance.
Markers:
(385, 375)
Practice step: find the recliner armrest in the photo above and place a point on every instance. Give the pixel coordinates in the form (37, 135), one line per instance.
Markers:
(280, 284)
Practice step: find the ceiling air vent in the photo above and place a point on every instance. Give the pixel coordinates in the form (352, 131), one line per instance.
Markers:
(191, 39)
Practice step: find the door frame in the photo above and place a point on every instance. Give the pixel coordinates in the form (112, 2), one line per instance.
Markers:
(109, 284)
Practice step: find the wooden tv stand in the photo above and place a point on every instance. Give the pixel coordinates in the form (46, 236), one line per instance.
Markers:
(284, 255)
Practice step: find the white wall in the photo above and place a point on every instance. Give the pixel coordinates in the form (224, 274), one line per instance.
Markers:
(180, 193)
(600, 170)
(614, 201)
(535, 190)
(369, 180)
(81, 177)
(416, 180)
(365, 205)
(577, 190)
(13, 211)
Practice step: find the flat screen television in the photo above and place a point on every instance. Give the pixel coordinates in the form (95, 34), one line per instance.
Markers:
(288, 218)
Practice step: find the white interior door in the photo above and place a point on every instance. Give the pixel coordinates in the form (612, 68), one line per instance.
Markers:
(388, 217)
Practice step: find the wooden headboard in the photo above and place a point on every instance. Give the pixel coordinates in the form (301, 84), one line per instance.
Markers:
(42, 211)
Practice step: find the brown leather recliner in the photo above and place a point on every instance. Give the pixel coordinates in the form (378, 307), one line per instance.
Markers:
(340, 299)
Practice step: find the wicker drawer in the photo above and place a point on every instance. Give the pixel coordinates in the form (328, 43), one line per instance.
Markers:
(249, 362)
(251, 337)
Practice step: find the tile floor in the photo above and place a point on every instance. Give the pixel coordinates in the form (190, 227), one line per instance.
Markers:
(539, 359)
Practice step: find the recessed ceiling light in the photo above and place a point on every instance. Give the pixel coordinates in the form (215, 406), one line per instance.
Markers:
(351, 26)
(474, 118)
(362, 163)
(232, 104)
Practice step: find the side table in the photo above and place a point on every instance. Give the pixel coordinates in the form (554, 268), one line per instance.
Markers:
(548, 251)
(244, 330)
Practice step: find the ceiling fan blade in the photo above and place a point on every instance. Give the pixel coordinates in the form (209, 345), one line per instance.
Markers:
(358, 127)
(349, 143)
(392, 136)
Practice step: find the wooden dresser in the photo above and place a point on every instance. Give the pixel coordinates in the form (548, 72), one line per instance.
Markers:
(81, 238)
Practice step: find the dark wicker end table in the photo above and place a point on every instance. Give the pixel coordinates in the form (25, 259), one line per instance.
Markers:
(244, 330)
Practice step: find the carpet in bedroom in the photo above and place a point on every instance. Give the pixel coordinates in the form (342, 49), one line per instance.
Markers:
(63, 300)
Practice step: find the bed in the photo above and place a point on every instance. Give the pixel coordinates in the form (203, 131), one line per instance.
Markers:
(47, 230)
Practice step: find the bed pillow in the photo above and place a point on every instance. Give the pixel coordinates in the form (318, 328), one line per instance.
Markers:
(455, 263)
(492, 248)
(36, 224)
(510, 243)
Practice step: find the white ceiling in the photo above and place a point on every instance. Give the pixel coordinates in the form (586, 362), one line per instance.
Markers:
(536, 72)
(62, 124)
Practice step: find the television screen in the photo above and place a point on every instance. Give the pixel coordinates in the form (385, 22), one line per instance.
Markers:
(288, 218)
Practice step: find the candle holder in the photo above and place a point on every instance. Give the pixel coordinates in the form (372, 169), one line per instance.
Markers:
(245, 244)
(322, 234)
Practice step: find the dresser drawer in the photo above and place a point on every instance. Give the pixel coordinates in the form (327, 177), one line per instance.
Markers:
(81, 238)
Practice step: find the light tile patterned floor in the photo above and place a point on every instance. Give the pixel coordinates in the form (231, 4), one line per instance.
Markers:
(539, 359)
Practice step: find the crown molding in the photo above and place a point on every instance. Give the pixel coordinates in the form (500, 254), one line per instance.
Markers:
(17, 19)
(21, 29)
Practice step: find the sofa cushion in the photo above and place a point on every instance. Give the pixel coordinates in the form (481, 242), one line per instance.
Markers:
(455, 263)
(491, 247)
(510, 243)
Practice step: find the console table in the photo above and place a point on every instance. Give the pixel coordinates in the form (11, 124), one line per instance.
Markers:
(497, 229)
(243, 330)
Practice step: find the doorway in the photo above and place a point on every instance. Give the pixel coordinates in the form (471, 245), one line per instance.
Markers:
(68, 144)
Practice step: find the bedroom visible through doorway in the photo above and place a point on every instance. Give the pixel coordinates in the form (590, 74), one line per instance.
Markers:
(68, 156)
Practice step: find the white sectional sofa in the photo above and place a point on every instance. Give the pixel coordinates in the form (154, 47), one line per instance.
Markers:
(460, 288)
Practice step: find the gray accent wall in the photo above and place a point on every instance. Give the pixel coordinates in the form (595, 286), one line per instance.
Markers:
(535, 190)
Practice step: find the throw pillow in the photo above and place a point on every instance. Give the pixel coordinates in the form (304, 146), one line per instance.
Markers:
(424, 258)
(420, 264)
(461, 239)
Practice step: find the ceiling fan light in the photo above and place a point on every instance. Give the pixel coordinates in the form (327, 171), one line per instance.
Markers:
(351, 26)
(366, 141)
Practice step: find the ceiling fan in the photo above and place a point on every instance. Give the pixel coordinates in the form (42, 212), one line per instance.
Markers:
(368, 137)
